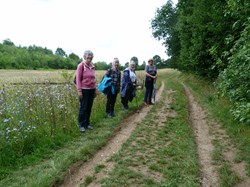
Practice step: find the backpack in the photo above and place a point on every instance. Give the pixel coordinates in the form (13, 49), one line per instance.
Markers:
(106, 85)
(74, 80)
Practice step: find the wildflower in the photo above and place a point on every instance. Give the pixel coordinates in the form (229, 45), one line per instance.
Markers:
(5, 120)
(8, 130)
(61, 106)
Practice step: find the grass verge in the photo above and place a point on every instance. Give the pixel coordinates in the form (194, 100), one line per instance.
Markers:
(219, 111)
(161, 151)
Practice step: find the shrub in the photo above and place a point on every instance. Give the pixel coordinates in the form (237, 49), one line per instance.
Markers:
(234, 81)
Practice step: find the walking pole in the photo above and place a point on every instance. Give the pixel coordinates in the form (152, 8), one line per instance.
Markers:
(154, 92)
(137, 111)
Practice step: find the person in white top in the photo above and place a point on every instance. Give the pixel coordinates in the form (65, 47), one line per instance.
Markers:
(128, 91)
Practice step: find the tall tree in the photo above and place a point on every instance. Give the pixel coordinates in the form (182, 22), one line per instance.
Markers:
(135, 59)
(60, 52)
(164, 27)
(8, 42)
(157, 60)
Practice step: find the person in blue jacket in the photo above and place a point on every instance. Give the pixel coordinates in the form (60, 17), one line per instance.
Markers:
(115, 74)
(128, 91)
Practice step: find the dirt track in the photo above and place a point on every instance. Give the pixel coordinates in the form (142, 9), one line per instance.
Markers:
(204, 139)
(206, 132)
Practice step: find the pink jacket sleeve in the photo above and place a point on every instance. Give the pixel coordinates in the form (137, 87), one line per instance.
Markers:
(79, 77)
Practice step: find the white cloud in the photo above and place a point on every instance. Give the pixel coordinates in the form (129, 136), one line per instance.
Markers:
(110, 28)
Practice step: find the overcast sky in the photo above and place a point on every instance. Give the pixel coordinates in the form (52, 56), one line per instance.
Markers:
(110, 28)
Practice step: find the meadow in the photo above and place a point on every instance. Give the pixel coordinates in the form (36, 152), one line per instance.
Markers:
(38, 113)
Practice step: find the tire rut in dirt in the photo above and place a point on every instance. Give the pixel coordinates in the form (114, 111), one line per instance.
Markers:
(76, 175)
(204, 144)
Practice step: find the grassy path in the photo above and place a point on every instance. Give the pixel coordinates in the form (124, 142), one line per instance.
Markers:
(100, 159)
(161, 151)
(185, 139)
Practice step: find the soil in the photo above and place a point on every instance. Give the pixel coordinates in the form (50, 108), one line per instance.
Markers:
(205, 133)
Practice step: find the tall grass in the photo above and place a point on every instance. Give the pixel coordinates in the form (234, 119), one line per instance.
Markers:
(38, 116)
(35, 117)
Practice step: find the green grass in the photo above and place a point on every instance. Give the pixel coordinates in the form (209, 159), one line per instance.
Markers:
(160, 152)
(219, 111)
(52, 155)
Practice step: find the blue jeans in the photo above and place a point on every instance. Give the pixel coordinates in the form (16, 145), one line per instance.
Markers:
(85, 107)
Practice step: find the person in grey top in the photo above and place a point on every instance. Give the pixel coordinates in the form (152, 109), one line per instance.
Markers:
(151, 75)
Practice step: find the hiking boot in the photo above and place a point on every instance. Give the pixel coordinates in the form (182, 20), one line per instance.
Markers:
(109, 115)
(125, 107)
(82, 129)
(89, 127)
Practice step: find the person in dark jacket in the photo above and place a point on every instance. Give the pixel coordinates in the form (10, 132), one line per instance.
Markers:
(128, 91)
(151, 75)
(115, 74)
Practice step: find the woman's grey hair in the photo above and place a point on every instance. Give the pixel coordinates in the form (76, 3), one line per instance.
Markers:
(88, 53)
(116, 60)
(132, 62)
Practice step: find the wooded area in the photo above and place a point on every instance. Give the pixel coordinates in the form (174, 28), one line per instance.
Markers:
(36, 57)
(211, 39)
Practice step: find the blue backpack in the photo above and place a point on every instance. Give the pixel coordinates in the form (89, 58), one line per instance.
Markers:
(106, 85)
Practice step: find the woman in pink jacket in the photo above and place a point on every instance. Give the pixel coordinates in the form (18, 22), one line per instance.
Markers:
(86, 88)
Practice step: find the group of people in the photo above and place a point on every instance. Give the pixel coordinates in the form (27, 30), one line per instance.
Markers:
(86, 87)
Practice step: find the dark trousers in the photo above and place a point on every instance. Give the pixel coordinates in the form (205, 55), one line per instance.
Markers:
(124, 101)
(127, 98)
(110, 105)
(85, 107)
(149, 90)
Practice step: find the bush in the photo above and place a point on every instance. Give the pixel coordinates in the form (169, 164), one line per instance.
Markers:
(234, 81)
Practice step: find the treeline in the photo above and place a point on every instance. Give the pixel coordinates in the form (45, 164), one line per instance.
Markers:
(35, 57)
(211, 39)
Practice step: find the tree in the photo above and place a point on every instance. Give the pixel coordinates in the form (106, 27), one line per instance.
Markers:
(8, 42)
(102, 66)
(157, 60)
(60, 52)
(74, 57)
(135, 59)
(164, 27)
(126, 64)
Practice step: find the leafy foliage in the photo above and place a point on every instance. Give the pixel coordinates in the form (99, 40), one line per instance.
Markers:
(210, 38)
(235, 80)
(164, 28)
(34, 57)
